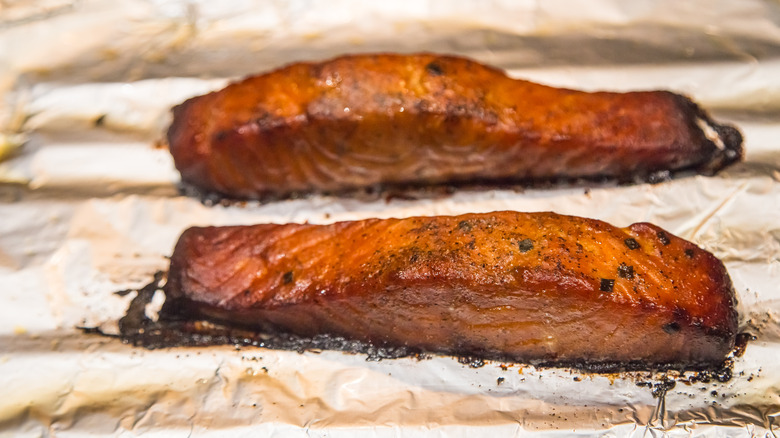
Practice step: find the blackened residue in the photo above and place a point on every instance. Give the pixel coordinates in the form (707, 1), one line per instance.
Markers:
(659, 177)
(135, 320)
(722, 374)
(659, 388)
(725, 371)
(472, 361)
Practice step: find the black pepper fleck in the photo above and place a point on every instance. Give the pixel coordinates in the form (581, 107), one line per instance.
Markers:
(631, 243)
(287, 278)
(689, 253)
(525, 245)
(607, 285)
(464, 225)
(663, 238)
(434, 69)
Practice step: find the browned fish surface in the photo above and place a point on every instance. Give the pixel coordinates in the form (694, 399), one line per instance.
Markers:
(368, 120)
(527, 287)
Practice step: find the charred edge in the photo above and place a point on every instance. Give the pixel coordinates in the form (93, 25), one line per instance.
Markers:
(198, 333)
(731, 138)
(740, 344)
(607, 367)
(176, 327)
(422, 190)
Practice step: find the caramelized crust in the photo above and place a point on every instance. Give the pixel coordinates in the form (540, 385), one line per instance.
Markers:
(528, 287)
(368, 120)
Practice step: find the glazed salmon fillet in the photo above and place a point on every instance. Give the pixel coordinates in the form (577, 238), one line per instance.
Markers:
(534, 288)
(383, 120)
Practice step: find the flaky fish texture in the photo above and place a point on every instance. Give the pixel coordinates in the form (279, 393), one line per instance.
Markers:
(538, 288)
(368, 121)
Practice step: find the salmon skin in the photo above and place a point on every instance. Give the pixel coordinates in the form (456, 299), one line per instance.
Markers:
(534, 288)
(368, 121)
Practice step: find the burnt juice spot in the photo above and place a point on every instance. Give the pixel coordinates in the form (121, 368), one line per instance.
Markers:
(672, 328)
(663, 238)
(607, 285)
(625, 271)
(525, 245)
(434, 69)
(287, 278)
(631, 243)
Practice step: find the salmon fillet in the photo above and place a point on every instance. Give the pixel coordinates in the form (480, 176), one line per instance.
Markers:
(536, 287)
(383, 120)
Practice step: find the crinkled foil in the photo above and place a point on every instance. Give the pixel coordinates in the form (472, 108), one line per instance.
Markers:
(89, 206)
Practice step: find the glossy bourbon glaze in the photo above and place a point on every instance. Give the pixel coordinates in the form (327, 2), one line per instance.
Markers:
(381, 120)
(537, 287)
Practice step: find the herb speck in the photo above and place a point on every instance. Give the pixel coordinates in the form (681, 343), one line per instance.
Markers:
(625, 271)
(631, 243)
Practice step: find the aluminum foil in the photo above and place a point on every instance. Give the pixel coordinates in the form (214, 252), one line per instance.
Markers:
(89, 206)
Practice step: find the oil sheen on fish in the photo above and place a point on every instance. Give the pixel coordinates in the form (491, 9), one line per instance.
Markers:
(415, 120)
(536, 287)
